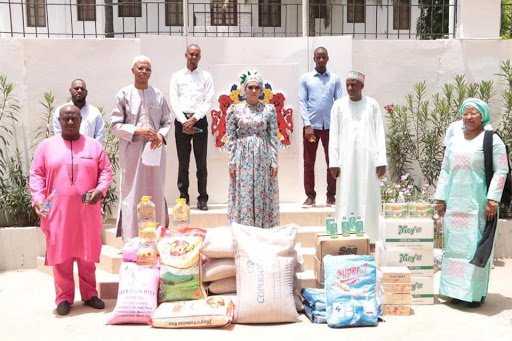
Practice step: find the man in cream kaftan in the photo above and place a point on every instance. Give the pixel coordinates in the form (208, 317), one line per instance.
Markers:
(140, 115)
(357, 154)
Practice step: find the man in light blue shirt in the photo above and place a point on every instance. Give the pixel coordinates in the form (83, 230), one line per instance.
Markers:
(318, 90)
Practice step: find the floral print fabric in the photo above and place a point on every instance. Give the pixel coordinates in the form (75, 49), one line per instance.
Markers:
(253, 193)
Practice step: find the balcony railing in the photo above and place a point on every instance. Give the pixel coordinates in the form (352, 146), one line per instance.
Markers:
(387, 19)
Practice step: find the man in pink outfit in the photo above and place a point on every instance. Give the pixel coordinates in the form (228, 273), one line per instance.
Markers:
(76, 169)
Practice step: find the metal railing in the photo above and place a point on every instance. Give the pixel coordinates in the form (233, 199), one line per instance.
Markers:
(387, 19)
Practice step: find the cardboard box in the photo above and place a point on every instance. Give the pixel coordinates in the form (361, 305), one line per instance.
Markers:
(395, 210)
(419, 261)
(422, 290)
(396, 298)
(396, 309)
(352, 245)
(398, 288)
(420, 210)
(410, 233)
(395, 274)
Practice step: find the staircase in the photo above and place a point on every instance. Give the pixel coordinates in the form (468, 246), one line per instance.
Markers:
(310, 221)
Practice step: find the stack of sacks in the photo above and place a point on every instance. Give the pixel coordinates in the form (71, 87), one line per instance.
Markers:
(219, 272)
(138, 289)
(396, 283)
(314, 304)
(266, 262)
(410, 243)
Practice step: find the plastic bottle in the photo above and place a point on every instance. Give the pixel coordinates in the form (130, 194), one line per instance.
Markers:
(345, 229)
(328, 220)
(333, 231)
(146, 213)
(181, 213)
(48, 203)
(359, 227)
(352, 222)
(147, 251)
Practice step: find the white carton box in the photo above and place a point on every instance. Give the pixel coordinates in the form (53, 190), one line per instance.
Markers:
(410, 233)
(422, 290)
(419, 260)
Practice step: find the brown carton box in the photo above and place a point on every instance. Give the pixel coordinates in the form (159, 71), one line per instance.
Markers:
(325, 245)
(396, 298)
(395, 274)
(396, 309)
(399, 288)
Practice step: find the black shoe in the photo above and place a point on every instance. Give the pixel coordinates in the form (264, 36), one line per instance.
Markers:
(95, 303)
(63, 308)
(202, 205)
(310, 202)
(455, 301)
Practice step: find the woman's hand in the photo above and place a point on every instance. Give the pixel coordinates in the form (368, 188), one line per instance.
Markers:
(232, 172)
(440, 208)
(273, 171)
(490, 209)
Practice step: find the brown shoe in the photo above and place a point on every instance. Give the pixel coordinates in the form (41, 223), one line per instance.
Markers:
(310, 202)
(331, 201)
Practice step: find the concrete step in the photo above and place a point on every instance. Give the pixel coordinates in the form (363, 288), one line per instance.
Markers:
(111, 239)
(289, 213)
(110, 259)
(106, 283)
(307, 279)
(309, 257)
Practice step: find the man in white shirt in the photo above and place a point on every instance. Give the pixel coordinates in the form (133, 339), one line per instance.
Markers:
(191, 97)
(92, 123)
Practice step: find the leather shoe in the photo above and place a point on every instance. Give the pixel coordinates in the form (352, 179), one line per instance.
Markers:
(95, 303)
(310, 202)
(331, 201)
(63, 308)
(202, 205)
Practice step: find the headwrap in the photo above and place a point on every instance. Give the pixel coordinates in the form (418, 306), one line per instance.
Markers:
(358, 76)
(481, 106)
(246, 79)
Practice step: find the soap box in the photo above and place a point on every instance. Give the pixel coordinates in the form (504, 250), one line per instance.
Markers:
(420, 261)
(410, 233)
(422, 290)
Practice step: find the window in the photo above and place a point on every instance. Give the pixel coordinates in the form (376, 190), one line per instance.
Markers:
(174, 12)
(223, 13)
(130, 8)
(318, 9)
(356, 11)
(36, 13)
(402, 15)
(86, 10)
(269, 13)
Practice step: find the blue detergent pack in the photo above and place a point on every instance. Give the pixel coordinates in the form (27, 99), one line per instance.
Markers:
(350, 283)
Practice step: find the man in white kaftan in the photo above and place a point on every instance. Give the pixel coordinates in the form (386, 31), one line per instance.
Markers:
(140, 116)
(357, 154)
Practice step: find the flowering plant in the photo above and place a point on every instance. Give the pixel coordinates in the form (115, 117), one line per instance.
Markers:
(405, 190)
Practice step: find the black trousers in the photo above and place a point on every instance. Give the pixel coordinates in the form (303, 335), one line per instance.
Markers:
(184, 145)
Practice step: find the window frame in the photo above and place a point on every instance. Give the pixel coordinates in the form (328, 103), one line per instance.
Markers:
(269, 13)
(129, 8)
(35, 11)
(86, 10)
(399, 8)
(228, 17)
(356, 11)
(171, 15)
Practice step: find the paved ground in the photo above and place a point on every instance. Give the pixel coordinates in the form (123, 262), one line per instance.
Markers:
(27, 313)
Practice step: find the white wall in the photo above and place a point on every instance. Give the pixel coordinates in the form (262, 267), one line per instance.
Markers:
(392, 68)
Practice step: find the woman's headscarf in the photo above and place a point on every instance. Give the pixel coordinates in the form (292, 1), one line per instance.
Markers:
(481, 106)
(253, 77)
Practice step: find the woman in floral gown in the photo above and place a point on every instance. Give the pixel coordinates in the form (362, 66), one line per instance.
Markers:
(253, 160)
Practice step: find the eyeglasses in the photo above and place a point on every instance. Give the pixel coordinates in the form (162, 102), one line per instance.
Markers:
(253, 88)
(142, 68)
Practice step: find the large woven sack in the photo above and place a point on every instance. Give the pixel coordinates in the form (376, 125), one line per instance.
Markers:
(265, 268)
